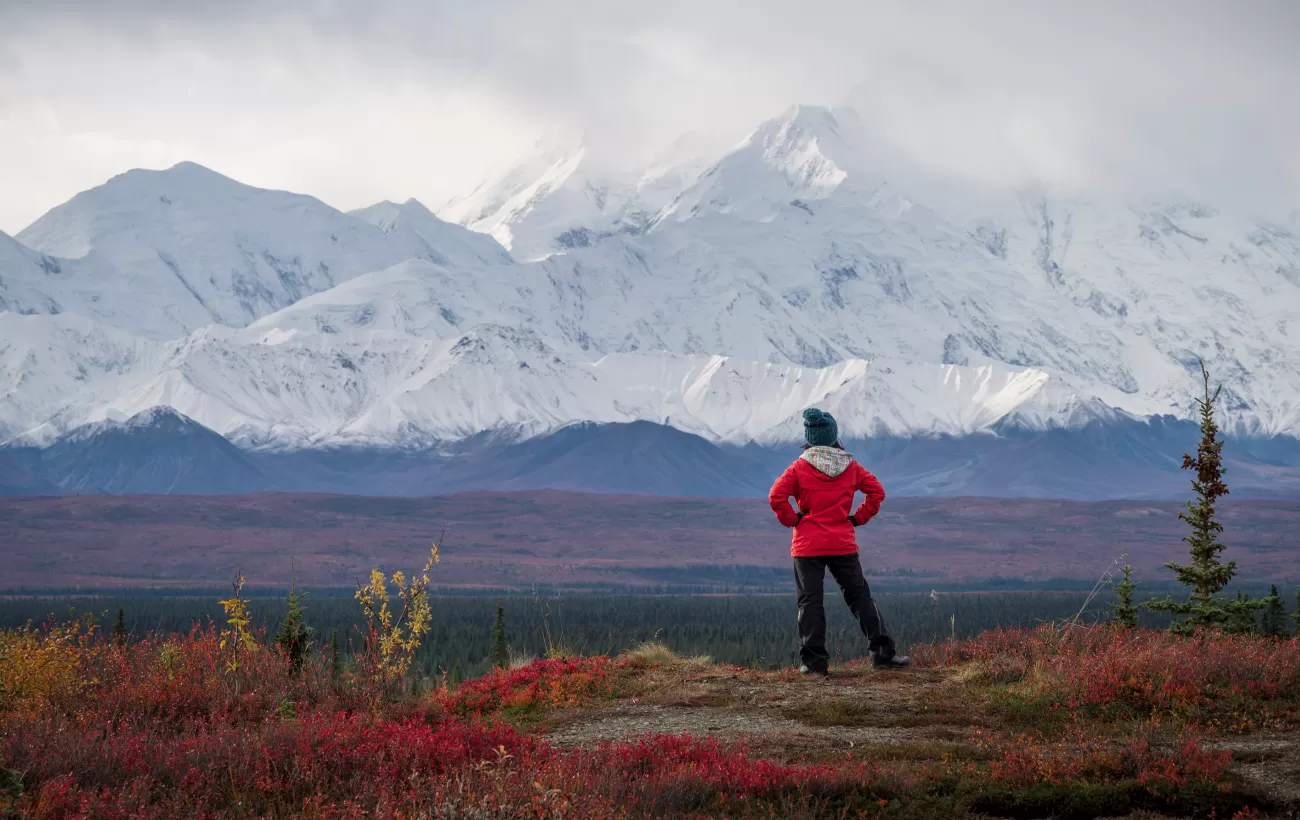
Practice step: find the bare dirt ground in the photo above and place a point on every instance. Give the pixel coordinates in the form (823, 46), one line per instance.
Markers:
(856, 714)
(785, 714)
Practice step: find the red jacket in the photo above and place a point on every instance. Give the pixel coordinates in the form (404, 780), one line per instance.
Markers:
(824, 528)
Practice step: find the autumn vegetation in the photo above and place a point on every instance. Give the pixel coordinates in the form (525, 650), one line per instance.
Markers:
(1067, 719)
(165, 726)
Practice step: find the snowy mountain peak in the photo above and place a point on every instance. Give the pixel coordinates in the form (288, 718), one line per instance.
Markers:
(160, 418)
(801, 157)
(165, 252)
(498, 205)
(805, 265)
(155, 451)
(73, 229)
(834, 128)
(802, 146)
(561, 199)
(444, 242)
(386, 215)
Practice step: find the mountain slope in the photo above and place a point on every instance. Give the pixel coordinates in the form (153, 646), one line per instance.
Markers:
(639, 457)
(1098, 461)
(445, 243)
(16, 479)
(162, 253)
(321, 382)
(809, 264)
(560, 198)
(32, 282)
(812, 242)
(158, 451)
(59, 372)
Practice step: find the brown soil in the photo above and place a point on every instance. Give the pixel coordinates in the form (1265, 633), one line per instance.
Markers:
(782, 714)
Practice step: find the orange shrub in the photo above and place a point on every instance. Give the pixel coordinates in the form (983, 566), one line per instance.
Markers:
(52, 665)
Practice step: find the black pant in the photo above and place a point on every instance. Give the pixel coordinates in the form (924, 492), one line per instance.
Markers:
(809, 578)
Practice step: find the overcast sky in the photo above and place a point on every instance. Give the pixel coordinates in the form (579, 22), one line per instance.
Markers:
(385, 99)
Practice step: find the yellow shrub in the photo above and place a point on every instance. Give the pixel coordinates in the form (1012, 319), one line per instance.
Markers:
(45, 666)
(238, 637)
(393, 638)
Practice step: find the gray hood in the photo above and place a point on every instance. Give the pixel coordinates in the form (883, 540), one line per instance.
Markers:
(829, 460)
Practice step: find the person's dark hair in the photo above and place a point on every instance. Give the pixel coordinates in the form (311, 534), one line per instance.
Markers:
(837, 445)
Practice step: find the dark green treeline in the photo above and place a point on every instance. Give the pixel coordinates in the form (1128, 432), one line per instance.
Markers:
(753, 630)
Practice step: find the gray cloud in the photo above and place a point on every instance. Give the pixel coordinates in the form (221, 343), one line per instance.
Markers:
(355, 101)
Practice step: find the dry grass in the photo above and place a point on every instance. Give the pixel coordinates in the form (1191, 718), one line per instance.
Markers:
(655, 653)
(993, 671)
(835, 713)
(518, 660)
(922, 750)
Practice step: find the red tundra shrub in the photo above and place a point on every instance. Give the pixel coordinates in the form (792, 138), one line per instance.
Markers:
(566, 682)
(1230, 681)
(672, 773)
(1081, 758)
(163, 727)
(274, 767)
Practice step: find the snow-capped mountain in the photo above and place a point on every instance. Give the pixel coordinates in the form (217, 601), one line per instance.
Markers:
(281, 388)
(560, 198)
(53, 368)
(157, 451)
(445, 244)
(162, 253)
(812, 242)
(809, 264)
(1192, 282)
(32, 282)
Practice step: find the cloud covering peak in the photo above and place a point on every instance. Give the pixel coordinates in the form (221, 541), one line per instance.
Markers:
(357, 102)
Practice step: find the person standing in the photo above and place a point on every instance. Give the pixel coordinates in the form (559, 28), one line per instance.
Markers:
(823, 482)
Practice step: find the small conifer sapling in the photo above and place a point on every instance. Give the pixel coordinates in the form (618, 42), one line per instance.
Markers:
(1274, 621)
(500, 656)
(294, 637)
(336, 662)
(1124, 611)
(1295, 616)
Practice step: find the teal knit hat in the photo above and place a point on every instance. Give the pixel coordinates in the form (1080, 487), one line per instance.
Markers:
(819, 429)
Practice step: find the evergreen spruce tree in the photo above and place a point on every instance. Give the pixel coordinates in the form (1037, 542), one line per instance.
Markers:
(336, 662)
(457, 675)
(500, 657)
(1124, 611)
(1295, 616)
(1274, 621)
(1242, 612)
(119, 628)
(294, 637)
(1206, 575)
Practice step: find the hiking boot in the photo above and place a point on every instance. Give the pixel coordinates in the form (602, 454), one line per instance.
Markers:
(805, 669)
(895, 662)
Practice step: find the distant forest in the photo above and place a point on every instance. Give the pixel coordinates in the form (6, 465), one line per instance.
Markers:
(752, 630)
